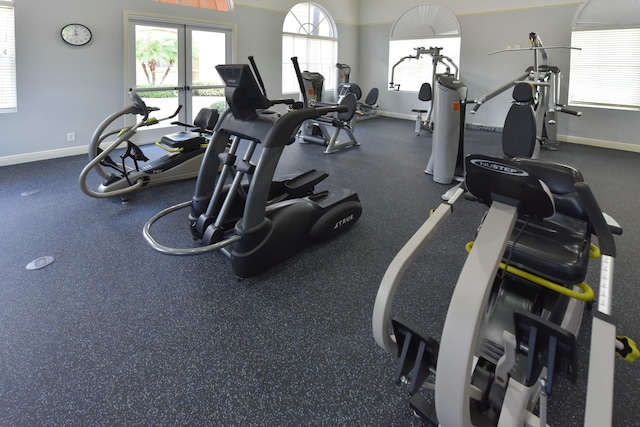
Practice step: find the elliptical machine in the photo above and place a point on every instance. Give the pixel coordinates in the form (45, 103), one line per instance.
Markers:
(513, 320)
(185, 150)
(260, 222)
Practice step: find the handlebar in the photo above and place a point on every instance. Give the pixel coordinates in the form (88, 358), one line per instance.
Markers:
(561, 109)
(332, 109)
(288, 101)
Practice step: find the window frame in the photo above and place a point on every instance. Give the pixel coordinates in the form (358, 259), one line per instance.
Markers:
(291, 46)
(411, 73)
(425, 26)
(8, 77)
(605, 72)
(591, 78)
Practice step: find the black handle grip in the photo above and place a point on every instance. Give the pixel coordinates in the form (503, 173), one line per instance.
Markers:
(599, 224)
(288, 101)
(332, 109)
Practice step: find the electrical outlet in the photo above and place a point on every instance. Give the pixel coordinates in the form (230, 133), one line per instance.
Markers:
(71, 136)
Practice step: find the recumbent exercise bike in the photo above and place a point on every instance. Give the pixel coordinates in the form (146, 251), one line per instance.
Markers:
(182, 161)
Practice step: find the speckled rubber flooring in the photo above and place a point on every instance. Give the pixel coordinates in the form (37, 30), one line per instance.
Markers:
(114, 333)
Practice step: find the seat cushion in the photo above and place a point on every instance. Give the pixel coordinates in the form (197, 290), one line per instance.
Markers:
(556, 248)
(184, 139)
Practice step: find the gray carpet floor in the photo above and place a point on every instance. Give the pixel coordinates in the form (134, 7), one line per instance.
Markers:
(114, 333)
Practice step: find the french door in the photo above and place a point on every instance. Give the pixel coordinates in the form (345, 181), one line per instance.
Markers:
(172, 64)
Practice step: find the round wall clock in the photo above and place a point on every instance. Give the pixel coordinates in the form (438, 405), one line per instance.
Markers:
(76, 34)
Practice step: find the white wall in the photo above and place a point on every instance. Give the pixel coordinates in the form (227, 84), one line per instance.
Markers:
(488, 26)
(63, 89)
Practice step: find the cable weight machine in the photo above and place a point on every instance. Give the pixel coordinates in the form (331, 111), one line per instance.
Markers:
(546, 80)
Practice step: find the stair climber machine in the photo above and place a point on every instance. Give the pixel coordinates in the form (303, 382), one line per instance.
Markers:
(258, 221)
(512, 323)
(185, 150)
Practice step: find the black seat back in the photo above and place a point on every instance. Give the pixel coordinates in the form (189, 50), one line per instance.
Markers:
(425, 92)
(206, 119)
(351, 102)
(561, 180)
(372, 97)
(519, 131)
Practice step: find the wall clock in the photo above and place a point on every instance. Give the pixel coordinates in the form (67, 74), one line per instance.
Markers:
(76, 34)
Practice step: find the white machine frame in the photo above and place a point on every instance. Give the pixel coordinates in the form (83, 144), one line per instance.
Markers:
(456, 359)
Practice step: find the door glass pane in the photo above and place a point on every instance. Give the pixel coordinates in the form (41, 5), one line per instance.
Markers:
(157, 65)
(156, 56)
(208, 49)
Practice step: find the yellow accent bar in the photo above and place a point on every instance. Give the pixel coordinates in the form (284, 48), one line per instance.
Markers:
(586, 294)
(170, 150)
(631, 350)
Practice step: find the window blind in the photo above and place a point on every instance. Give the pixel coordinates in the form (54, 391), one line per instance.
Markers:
(606, 72)
(8, 96)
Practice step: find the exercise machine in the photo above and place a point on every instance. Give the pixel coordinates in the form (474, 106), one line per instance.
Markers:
(326, 130)
(182, 161)
(366, 109)
(437, 60)
(445, 117)
(512, 323)
(545, 80)
(255, 220)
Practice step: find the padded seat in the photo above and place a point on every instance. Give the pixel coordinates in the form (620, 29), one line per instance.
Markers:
(555, 248)
(193, 139)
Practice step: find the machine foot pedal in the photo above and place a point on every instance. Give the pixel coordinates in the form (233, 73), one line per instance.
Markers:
(548, 346)
(418, 355)
(303, 184)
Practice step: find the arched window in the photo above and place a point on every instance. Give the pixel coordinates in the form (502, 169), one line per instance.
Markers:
(606, 71)
(309, 33)
(426, 26)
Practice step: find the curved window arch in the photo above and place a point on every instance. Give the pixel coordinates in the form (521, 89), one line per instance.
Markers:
(605, 72)
(309, 32)
(428, 25)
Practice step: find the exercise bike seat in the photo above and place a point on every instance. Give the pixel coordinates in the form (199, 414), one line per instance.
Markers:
(193, 139)
(555, 248)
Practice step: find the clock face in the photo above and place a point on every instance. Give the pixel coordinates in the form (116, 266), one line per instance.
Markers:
(76, 34)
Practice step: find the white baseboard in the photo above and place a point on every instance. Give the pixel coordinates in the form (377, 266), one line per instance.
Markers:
(82, 149)
(43, 155)
(613, 145)
(396, 115)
